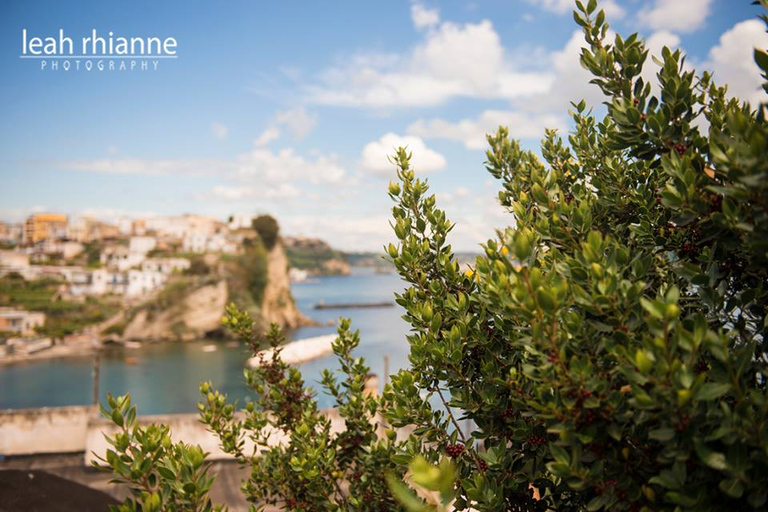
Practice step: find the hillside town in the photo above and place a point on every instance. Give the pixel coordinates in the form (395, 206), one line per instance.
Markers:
(88, 261)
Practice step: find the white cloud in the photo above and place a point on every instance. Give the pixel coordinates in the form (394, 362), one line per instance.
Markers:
(611, 8)
(376, 155)
(423, 17)
(112, 149)
(219, 130)
(281, 191)
(266, 166)
(676, 15)
(146, 167)
(268, 136)
(297, 120)
(453, 61)
(472, 132)
(570, 81)
(260, 173)
(733, 63)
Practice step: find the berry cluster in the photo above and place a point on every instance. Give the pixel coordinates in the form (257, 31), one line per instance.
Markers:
(553, 356)
(508, 413)
(454, 450)
(681, 148)
(292, 503)
(701, 366)
(682, 425)
(535, 440)
(716, 203)
(690, 250)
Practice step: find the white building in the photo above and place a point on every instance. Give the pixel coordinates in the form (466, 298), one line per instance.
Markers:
(241, 221)
(13, 259)
(165, 266)
(66, 249)
(124, 258)
(195, 242)
(142, 282)
(180, 227)
(218, 242)
(142, 244)
(20, 321)
(97, 282)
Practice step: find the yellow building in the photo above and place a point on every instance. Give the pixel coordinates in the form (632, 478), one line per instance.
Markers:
(44, 226)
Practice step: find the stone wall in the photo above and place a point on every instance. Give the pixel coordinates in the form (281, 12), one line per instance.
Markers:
(44, 430)
(80, 429)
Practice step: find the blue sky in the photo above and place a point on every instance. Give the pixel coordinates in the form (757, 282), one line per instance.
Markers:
(291, 107)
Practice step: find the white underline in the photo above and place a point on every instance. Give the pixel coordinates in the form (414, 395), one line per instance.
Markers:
(97, 56)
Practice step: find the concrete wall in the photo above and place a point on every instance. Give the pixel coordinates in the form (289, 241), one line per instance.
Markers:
(45, 430)
(184, 427)
(81, 429)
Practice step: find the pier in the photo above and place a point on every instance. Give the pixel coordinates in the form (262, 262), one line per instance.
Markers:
(354, 305)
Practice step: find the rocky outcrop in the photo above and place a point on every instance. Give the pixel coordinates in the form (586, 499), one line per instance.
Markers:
(198, 311)
(197, 314)
(315, 256)
(278, 305)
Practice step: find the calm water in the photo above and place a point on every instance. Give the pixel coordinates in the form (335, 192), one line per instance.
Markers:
(165, 376)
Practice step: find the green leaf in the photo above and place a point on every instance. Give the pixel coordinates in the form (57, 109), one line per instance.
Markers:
(643, 361)
(713, 390)
(662, 434)
(405, 495)
(117, 418)
(732, 487)
(711, 458)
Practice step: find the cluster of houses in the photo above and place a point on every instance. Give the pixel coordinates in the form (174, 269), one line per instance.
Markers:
(132, 258)
(44, 243)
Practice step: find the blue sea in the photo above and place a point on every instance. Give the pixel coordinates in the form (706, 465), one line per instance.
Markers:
(164, 377)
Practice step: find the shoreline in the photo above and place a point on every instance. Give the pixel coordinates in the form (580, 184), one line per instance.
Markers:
(55, 352)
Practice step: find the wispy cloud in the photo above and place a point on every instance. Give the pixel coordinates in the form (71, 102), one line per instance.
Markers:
(472, 132)
(453, 60)
(676, 16)
(375, 157)
(219, 130)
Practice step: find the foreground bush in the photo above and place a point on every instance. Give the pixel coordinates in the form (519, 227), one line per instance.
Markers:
(313, 469)
(609, 349)
(296, 461)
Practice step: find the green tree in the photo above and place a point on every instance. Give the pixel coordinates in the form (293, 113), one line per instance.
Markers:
(609, 347)
(268, 229)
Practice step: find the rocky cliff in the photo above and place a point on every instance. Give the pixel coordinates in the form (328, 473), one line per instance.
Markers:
(278, 305)
(189, 308)
(198, 313)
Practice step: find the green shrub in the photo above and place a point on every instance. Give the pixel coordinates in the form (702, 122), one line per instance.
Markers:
(268, 229)
(314, 469)
(608, 348)
(161, 475)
